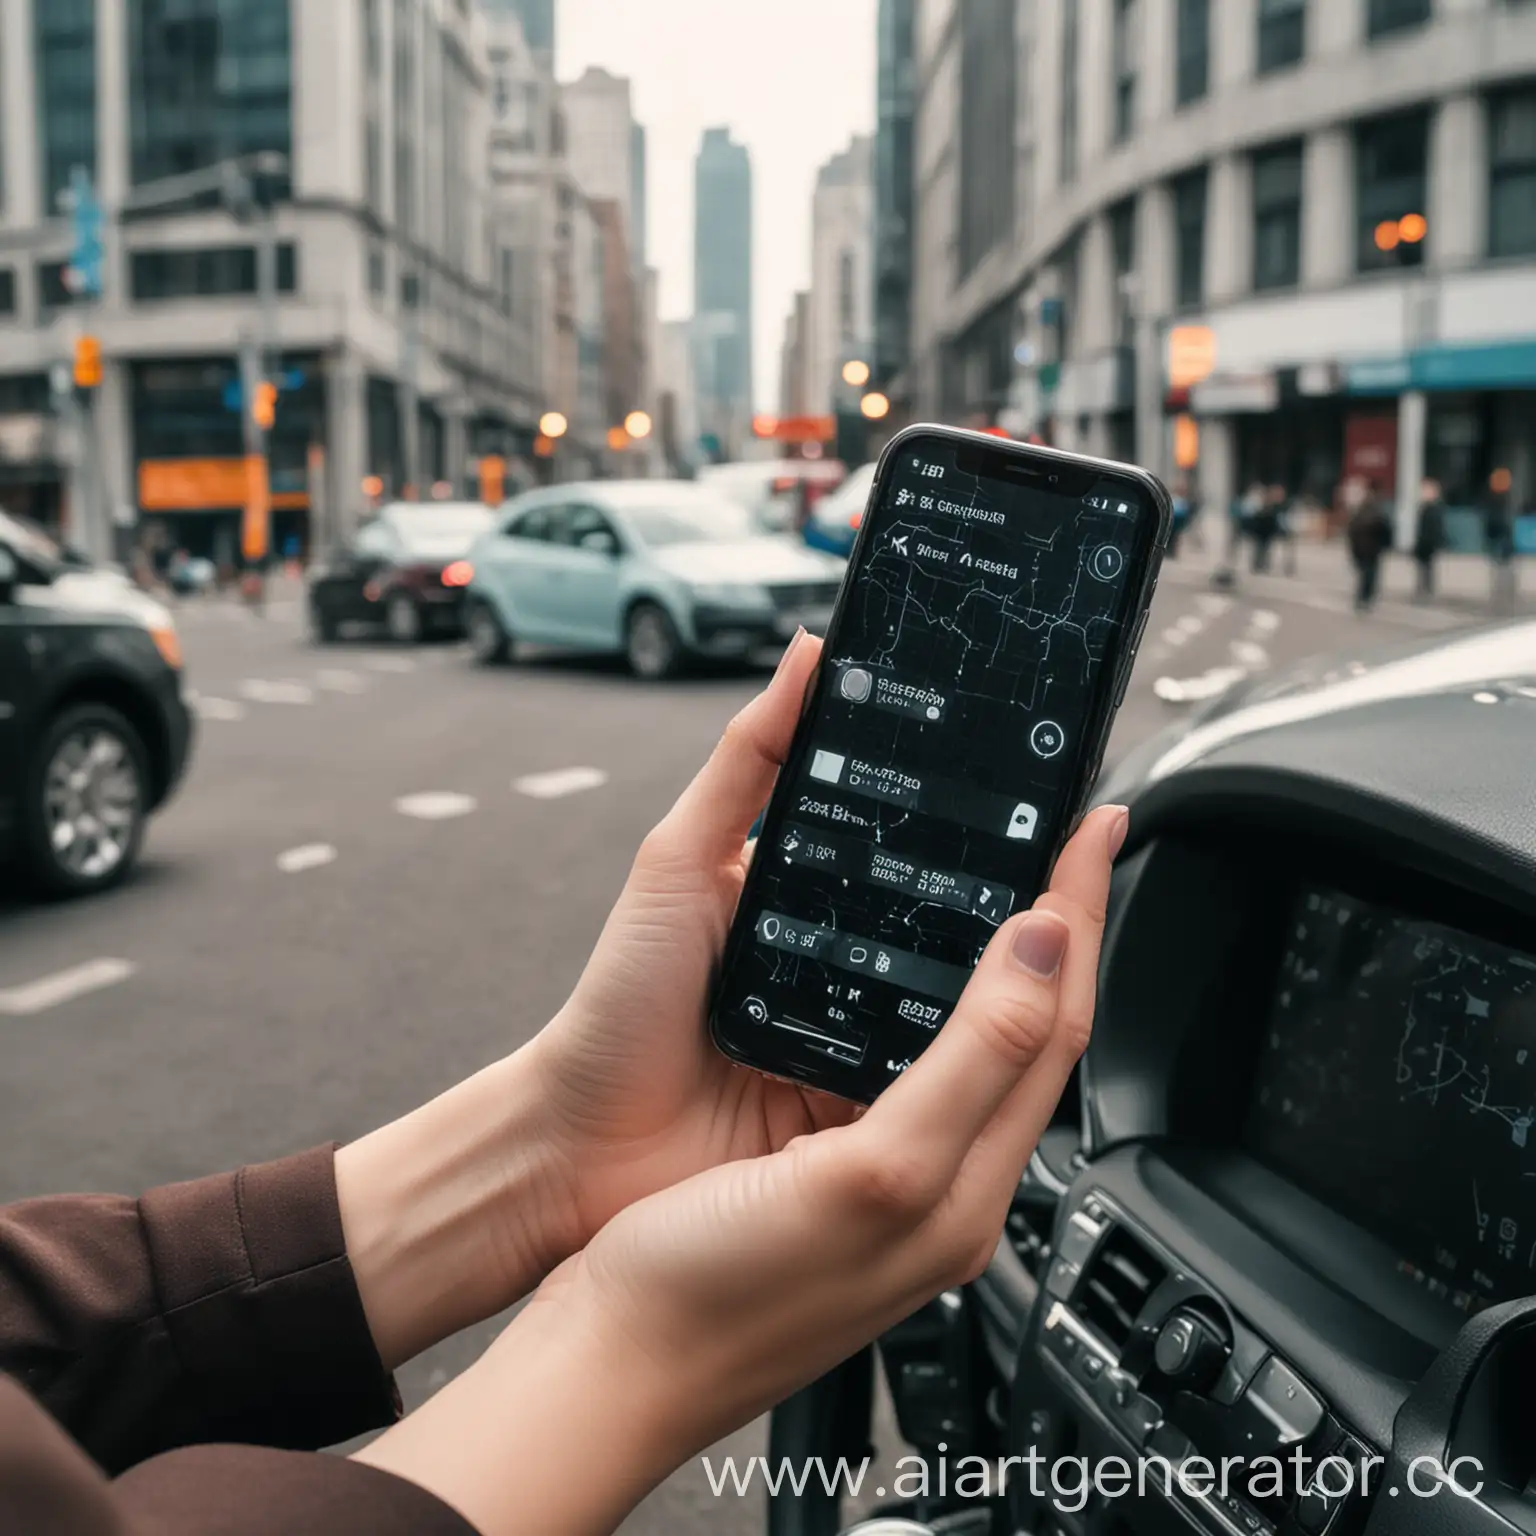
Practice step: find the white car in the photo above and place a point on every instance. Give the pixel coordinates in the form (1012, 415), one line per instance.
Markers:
(770, 488)
(658, 571)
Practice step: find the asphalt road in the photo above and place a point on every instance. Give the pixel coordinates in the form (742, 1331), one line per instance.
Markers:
(309, 951)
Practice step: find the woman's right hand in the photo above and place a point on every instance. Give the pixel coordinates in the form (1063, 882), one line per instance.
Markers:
(699, 1307)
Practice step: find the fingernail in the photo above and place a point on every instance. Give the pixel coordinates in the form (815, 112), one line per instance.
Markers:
(1117, 833)
(1040, 943)
(790, 649)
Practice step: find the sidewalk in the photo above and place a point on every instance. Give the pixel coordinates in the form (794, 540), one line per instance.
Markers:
(1463, 583)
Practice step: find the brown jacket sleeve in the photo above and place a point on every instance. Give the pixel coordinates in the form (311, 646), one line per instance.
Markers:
(220, 1310)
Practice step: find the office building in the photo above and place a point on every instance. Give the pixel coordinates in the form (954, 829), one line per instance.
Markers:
(536, 20)
(605, 147)
(840, 321)
(896, 108)
(722, 288)
(1307, 225)
(396, 345)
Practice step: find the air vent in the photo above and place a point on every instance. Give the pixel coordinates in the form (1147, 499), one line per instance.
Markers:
(1120, 1278)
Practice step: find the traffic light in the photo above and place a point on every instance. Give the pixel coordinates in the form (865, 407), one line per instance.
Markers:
(87, 362)
(264, 406)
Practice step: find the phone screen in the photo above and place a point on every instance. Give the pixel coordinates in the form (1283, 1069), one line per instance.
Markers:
(967, 681)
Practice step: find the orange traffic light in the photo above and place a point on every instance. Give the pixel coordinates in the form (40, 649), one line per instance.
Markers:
(1387, 235)
(1412, 228)
(264, 406)
(87, 362)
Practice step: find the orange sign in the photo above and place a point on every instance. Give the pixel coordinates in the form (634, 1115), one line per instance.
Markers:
(1186, 442)
(804, 429)
(493, 479)
(256, 524)
(1191, 355)
(191, 485)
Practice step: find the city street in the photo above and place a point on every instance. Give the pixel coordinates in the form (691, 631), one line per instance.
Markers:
(386, 869)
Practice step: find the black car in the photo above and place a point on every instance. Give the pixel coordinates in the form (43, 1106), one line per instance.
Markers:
(94, 726)
(405, 570)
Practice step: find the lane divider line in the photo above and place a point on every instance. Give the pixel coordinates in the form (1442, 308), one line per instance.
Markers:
(64, 986)
(308, 856)
(560, 782)
(436, 805)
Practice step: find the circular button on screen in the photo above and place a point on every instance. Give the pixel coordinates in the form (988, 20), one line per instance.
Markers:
(1047, 738)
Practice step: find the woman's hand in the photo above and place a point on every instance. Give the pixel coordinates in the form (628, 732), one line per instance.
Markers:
(699, 1307)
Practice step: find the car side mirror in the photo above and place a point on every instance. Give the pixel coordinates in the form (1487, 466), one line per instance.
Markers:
(9, 574)
(600, 542)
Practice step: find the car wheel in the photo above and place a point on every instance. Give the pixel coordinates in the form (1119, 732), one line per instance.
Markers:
(323, 628)
(651, 643)
(83, 817)
(402, 618)
(489, 642)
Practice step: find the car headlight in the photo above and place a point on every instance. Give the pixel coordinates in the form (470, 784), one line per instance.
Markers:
(732, 594)
(168, 643)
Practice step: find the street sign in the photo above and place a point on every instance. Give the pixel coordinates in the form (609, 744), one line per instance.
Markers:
(85, 259)
(1191, 355)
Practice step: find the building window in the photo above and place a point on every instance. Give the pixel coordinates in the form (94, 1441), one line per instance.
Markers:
(508, 279)
(846, 306)
(1189, 194)
(1124, 51)
(405, 115)
(1122, 247)
(1277, 216)
(1512, 170)
(378, 280)
(209, 80)
(988, 118)
(66, 93)
(1282, 34)
(1391, 156)
(1069, 87)
(208, 272)
(52, 286)
(7, 291)
(1383, 17)
(1193, 77)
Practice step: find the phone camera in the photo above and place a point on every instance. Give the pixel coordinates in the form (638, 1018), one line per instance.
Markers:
(1055, 478)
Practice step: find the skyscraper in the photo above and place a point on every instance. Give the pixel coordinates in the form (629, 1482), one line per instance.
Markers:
(722, 284)
(537, 17)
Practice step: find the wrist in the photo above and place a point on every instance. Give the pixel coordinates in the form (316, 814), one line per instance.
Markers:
(457, 1210)
(552, 1429)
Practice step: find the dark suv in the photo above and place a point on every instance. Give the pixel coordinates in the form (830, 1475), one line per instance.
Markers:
(94, 727)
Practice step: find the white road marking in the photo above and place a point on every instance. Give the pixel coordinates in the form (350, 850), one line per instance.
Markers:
(1194, 690)
(1213, 605)
(309, 856)
(339, 680)
(261, 690)
(1265, 622)
(436, 805)
(1249, 654)
(64, 986)
(1190, 624)
(1175, 637)
(560, 782)
(399, 664)
(217, 709)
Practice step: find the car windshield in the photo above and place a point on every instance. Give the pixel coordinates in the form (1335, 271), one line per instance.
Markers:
(432, 532)
(30, 543)
(683, 515)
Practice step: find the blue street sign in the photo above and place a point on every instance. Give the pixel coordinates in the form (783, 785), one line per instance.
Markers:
(86, 258)
(287, 382)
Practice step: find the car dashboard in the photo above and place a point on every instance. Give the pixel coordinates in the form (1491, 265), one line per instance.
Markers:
(1289, 1214)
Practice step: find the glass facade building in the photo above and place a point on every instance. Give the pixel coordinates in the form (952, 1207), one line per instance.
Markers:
(66, 92)
(207, 80)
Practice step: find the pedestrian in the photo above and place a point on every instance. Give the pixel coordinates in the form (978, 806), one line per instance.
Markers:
(1264, 526)
(1183, 514)
(1283, 513)
(1428, 537)
(695, 1241)
(1499, 538)
(1370, 536)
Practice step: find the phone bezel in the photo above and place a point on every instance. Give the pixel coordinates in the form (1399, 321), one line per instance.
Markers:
(1012, 459)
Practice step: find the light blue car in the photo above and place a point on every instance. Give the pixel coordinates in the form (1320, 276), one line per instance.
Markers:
(659, 571)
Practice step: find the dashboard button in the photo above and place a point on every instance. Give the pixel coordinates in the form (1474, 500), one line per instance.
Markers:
(1283, 1398)
(1092, 1366)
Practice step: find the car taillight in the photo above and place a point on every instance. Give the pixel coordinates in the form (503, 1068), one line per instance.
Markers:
(373, 591)
(459, 574)
(854, 519)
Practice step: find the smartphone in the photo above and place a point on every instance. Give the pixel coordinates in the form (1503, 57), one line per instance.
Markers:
(982, 641)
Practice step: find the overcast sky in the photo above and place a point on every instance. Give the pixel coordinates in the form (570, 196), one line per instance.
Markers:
(792, 79)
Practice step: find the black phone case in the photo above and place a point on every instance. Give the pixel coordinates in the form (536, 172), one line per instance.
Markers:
(1090, 758)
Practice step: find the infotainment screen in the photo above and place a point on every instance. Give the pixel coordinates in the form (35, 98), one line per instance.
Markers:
(1397, 1082)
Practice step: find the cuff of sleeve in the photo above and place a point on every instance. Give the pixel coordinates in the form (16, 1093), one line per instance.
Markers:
(241, 1491)
(261, 1306)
